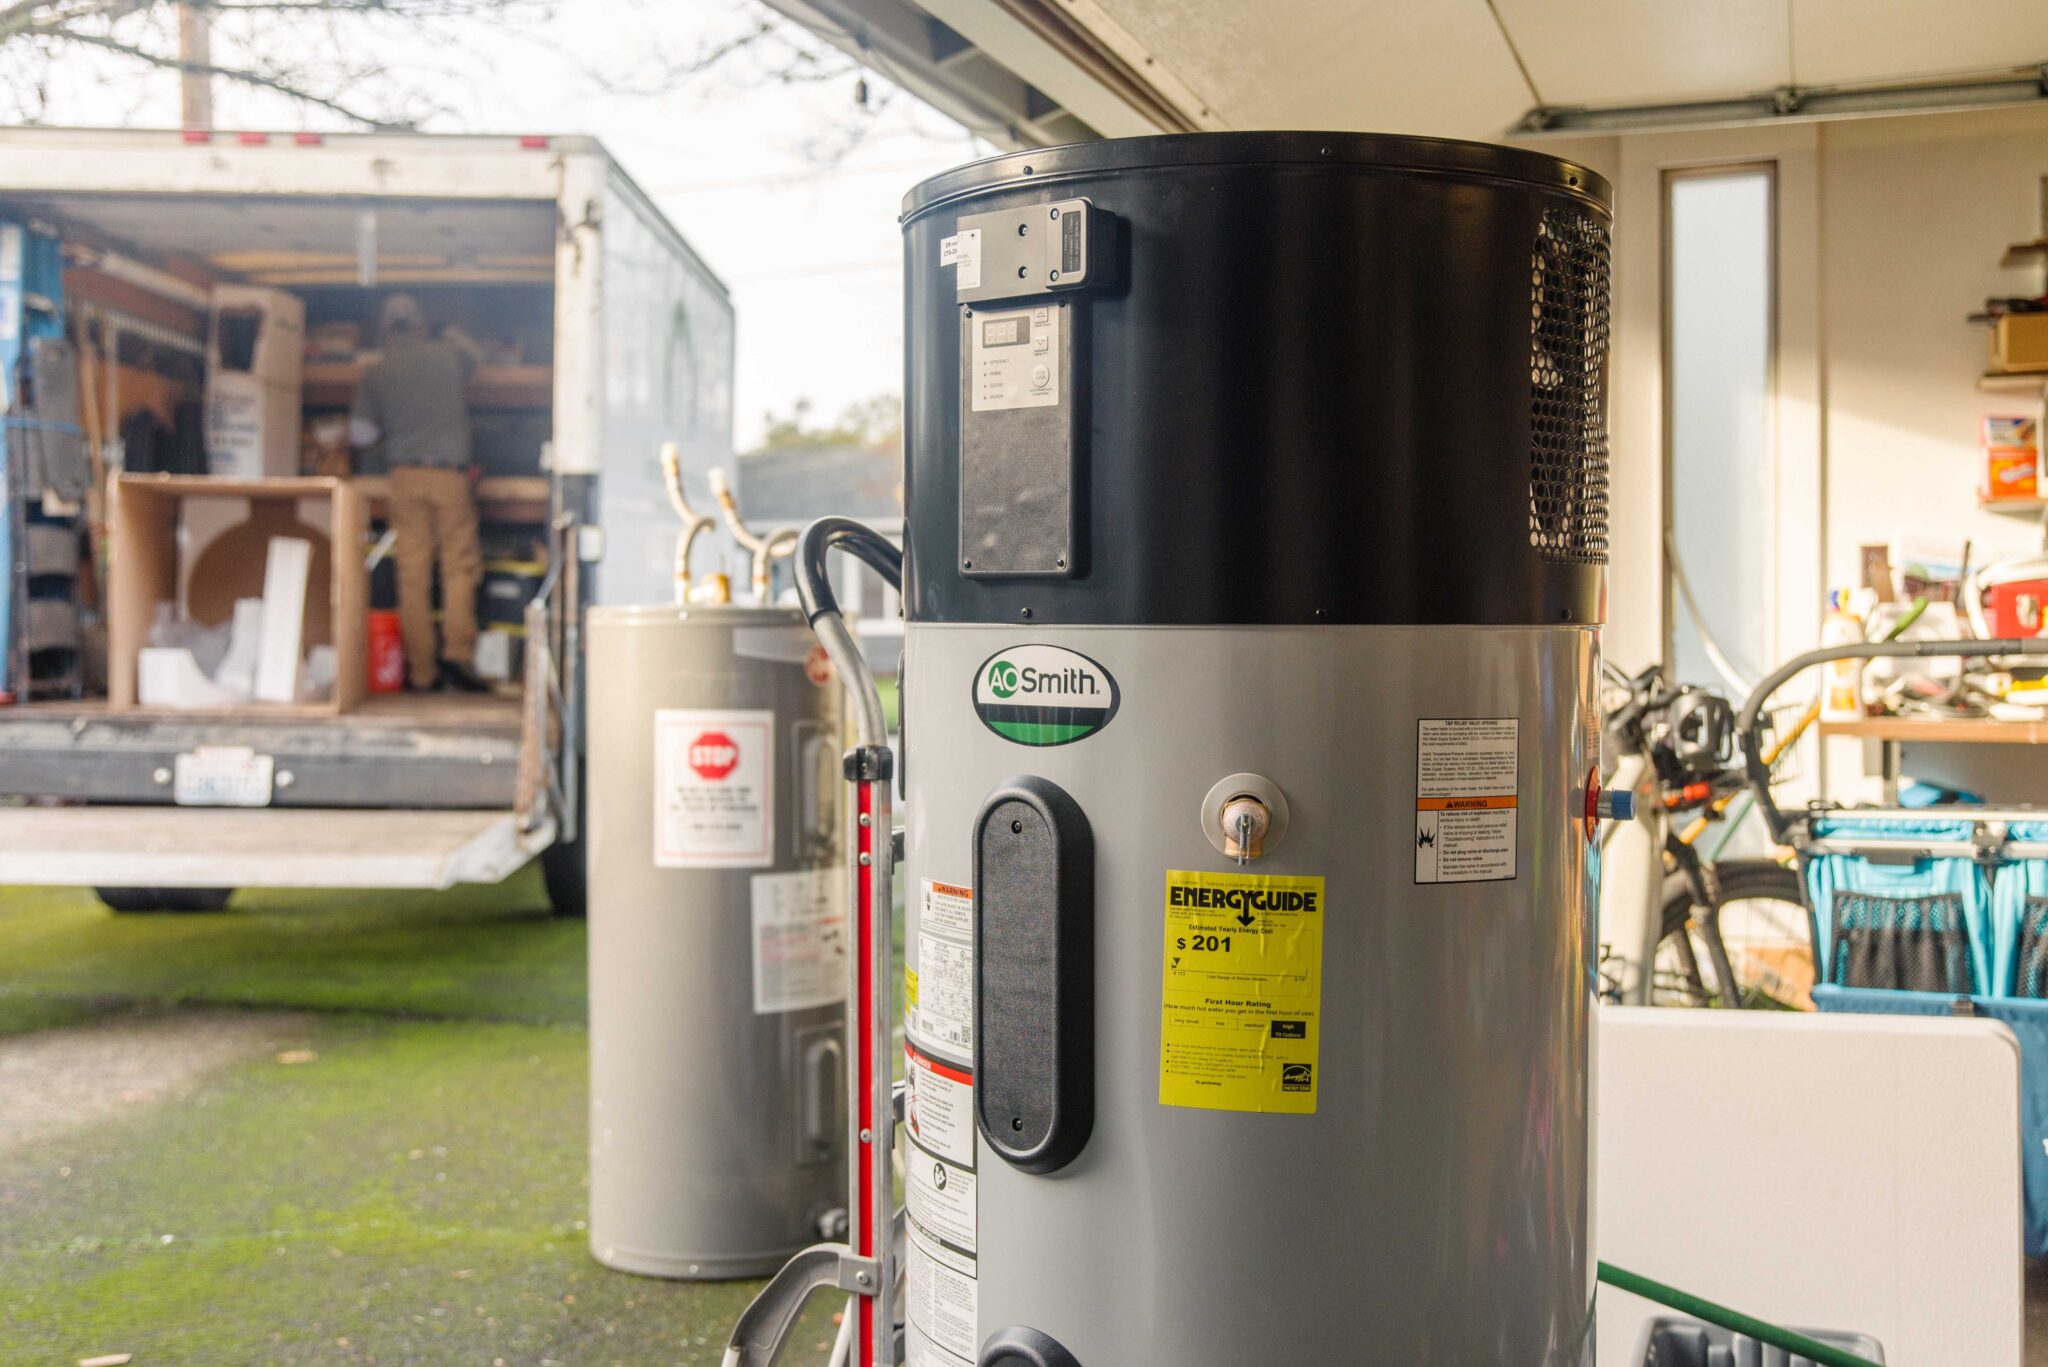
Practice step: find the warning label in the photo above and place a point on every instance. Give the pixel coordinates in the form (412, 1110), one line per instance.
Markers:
(938, 1106)
(1239, 1027)
(942, 1000)
(940, 1196)
(1467, 787)
(714, 797)
(940, 1296)
(799, 940)
(938, 1112)
(946, 910)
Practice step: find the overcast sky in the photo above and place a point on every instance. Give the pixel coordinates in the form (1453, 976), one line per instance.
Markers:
(789, 190)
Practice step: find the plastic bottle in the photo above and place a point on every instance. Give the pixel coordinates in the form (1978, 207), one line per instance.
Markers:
(1841, 696)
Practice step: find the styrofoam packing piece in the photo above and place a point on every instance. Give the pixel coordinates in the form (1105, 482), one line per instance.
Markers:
(237, 671)
(168, 676)
(284, 612)
(208, 644)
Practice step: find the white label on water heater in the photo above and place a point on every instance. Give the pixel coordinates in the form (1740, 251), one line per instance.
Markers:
(920, 1351)
(940, 1198)
(799, 939)
(1467, 791)
(939, 1163)
(714, 789)
(940, 1305)
(941, 995)
(963, 251)
(938, 1106)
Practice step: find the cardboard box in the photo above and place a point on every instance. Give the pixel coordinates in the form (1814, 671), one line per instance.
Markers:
(2007, 430)
(144, 513)
(2011, 472)
(256, 331)
(252, 428)
(2019, 342)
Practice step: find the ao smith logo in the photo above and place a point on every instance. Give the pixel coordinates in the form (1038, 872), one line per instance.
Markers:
(1043, 695)
(1006, 680)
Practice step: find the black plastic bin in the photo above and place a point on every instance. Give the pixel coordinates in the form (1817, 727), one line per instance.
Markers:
(1676, 1342)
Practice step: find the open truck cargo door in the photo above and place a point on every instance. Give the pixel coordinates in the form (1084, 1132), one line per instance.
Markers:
(272, 847)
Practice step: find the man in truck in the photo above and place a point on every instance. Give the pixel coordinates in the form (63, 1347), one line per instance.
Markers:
(410, 404)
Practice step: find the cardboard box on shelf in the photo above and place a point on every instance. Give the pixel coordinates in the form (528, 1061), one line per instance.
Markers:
(2011, 472)
(256, 331)
(252, 427)
(2019, 342)
(2002, 430)
(2011, 453)
(145, 512)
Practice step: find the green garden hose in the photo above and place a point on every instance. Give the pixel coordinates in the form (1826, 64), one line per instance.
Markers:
(1687, 1303)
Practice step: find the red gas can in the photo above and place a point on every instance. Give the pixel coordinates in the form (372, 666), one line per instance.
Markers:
(387, 653)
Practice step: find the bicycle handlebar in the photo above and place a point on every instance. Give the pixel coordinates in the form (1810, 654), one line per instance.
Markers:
(1746, 723)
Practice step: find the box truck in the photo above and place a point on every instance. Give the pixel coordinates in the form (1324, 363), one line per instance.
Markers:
(219, 299)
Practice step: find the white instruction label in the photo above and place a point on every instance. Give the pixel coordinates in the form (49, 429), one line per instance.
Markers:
(963, 250)
(938, 1106)
(940, 993)
(940, 1196)
(714, 789)
(799, 940)
(1014, 358)
(938, 1113)
(1467, 788)
(941, 1295)
(920, 1351)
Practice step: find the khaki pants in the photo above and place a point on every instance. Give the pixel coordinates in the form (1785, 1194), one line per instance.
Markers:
(432, 511)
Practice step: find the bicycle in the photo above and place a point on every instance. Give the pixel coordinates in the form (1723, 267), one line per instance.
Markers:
(1681, 741)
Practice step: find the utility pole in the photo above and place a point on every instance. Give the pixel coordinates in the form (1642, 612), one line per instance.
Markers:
(195, 52)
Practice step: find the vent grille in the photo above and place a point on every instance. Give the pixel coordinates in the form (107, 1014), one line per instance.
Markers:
(1567, 389)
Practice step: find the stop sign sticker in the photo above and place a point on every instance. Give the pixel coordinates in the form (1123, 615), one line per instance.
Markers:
(714, 795)
(714, 755)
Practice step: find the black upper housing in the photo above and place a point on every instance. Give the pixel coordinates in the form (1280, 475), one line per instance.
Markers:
(1328, 378)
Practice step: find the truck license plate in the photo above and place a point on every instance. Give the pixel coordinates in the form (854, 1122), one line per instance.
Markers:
(222, 776)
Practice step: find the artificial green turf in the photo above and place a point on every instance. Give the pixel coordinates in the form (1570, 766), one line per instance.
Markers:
(493, 953)
(414, 1194)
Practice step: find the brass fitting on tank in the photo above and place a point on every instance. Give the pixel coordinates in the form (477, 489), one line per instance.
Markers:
(1245, 817)
(1246, 820)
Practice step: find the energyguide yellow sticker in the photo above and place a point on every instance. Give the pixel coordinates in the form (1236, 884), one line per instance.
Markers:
(1241, 1019)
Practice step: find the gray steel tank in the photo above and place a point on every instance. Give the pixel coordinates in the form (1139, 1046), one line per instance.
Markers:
(717, 940)
(1256, 493)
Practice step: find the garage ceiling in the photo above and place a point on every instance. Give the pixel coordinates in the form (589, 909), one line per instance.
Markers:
(1469, 68)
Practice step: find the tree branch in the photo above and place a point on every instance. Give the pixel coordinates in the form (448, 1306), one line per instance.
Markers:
(245, 76)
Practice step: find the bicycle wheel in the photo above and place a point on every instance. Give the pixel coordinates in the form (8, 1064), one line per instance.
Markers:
(1763, 924)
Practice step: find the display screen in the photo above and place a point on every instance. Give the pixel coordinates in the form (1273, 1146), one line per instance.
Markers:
(1010, 331)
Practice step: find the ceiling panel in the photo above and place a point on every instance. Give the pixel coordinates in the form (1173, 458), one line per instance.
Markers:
(1398, 66)
(1842, 41)
(1623, 52)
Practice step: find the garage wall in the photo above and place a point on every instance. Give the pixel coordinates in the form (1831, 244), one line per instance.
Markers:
(1889, 232)
(1917, 213)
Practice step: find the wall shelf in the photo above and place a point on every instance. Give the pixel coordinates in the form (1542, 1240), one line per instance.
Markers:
(2033, 384)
